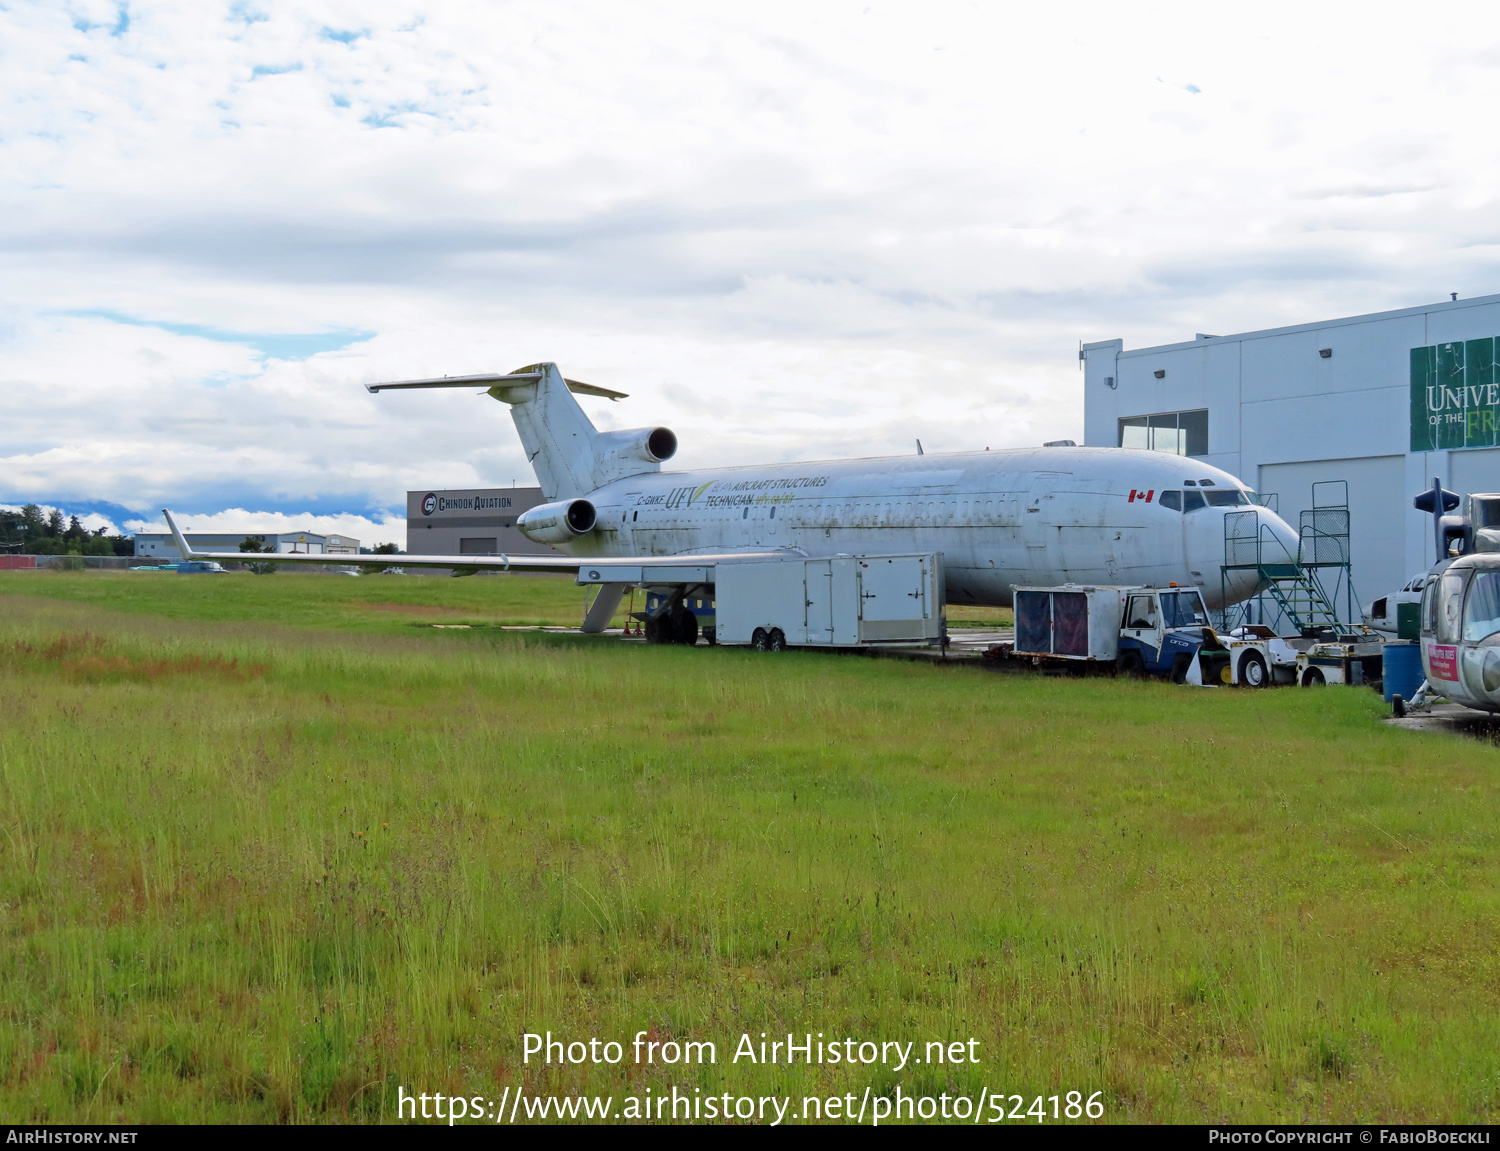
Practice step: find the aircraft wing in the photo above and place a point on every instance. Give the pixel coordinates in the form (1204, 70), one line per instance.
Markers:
(589, 569)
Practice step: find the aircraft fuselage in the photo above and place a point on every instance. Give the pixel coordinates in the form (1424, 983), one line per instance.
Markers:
(1037, 517)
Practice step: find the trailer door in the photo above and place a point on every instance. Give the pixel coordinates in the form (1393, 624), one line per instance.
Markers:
(819, 601)
(892, 598)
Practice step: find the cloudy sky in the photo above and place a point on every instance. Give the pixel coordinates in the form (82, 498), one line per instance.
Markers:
(789, 231)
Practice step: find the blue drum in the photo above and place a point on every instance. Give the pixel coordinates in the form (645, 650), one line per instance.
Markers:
(1403, 669)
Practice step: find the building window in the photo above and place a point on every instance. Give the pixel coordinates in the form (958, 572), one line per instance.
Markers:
(1179, 433)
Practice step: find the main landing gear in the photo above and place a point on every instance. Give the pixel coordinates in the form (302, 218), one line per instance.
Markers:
(674, 624)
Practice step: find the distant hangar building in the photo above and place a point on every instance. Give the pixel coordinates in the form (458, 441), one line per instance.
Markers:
(470, 522)
(1386, 402)
(160, 544)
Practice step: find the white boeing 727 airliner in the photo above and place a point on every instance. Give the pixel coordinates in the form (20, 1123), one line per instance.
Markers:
(1027, 516)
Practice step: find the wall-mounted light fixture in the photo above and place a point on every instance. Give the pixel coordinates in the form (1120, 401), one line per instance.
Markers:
(1160, 373)
(1109, 382)
(1325, 352)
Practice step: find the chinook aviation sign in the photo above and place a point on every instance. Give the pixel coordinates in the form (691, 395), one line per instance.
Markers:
(432, 502)
(1455, 396)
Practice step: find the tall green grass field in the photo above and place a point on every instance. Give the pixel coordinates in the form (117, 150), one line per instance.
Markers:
(279, 849)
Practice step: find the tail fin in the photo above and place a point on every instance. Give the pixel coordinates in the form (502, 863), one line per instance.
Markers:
(557, 436)
(570, 457)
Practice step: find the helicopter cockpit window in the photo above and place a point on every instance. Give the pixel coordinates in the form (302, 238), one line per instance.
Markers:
(1482, 608)
(1450, 596)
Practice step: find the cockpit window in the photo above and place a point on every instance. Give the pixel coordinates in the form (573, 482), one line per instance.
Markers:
(1182, 609)
(1450, 594)
(1171, 500)
(1192, 501)
(1482, 608)
(1228, 498)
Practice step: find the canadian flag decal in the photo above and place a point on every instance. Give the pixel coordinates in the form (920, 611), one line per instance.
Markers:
(1140, 495)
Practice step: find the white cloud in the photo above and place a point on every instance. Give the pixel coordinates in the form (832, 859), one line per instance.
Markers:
(786, 230)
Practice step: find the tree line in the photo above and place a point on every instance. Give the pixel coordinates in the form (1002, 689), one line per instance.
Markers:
(32, 532)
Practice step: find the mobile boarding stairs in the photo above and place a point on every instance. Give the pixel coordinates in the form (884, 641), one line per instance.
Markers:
(1307, 590)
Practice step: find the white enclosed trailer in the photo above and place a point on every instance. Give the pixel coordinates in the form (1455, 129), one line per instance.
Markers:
(844, 601)
(779, 600)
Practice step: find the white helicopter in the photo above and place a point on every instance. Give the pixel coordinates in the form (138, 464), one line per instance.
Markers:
(1029, 516)
(1382, 614)
(1460, 619)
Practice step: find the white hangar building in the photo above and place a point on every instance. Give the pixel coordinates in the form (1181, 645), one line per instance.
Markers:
(160, 544)
(1386, 402)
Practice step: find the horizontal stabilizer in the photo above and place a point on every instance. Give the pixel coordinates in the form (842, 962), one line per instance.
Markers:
(491, 379)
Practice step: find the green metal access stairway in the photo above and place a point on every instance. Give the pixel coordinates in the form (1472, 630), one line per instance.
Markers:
(1305, 589)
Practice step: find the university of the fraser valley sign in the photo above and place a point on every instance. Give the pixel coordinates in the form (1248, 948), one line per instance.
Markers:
(1455, 396)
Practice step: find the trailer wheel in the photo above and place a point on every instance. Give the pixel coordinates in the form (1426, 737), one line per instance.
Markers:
(759, 640)
(1313, 677)
(1253, 670)
(1130, 664)
(777, 640)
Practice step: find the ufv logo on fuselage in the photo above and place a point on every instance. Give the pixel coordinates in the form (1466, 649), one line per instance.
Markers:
(686, 497)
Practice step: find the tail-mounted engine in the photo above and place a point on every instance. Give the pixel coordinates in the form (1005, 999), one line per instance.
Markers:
(557, 523)
(631, 452)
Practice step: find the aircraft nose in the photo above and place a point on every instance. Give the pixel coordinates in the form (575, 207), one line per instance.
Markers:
(1264, 539)
(1279, 538)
